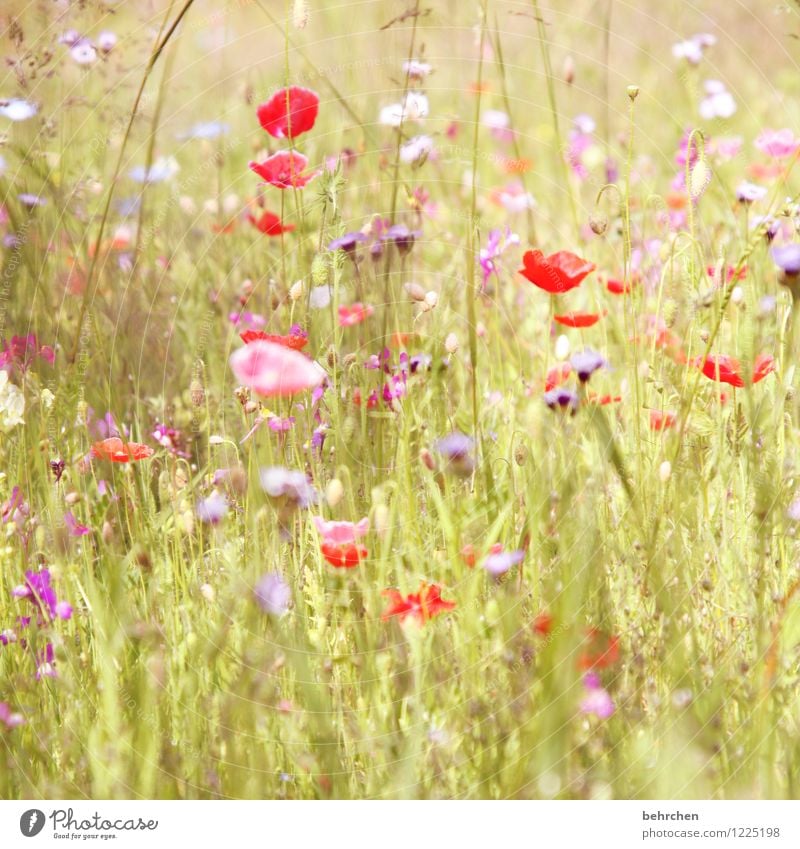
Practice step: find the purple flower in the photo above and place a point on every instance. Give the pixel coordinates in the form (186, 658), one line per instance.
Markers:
(749, 192)
(562, 399)
(46, 663)
(499, 562)
(31, 200)
(787, 257)
(498, 241)
(420, 362)
(457, 449)
(585, 363)
(279, 482)
(347, 242)
(402, 237)
(212, 510)
(273, 594)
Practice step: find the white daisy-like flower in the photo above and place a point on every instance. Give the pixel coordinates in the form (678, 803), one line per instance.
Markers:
(12, 403)
(17, 110)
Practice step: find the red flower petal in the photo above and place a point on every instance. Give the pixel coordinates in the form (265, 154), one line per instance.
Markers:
(284, 170)
(270, 224)
(117, 451)
(343, 556)
(297, 343)
(557, 273)
(578, 319)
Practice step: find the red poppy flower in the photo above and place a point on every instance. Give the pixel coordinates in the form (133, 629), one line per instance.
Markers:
(289, 112)
(294, 341)
(662, 419)
(557, 375)
(603, 400)
(468, 555)
(579, 319)
(270, 224)
(557, 273)
(354, 314)
(372, 399)
(343, 555)
(763, 365)
(422, 606)
(723, 368)
(600, 651)
(284, 170)
(617, 287)
(543, 624)
(117, 451)
(730, 272)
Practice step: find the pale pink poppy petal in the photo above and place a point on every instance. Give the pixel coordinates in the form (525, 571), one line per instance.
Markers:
(341, 533)
(271, 369)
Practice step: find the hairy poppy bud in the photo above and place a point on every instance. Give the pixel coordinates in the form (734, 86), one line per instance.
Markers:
(334, 492)
(598, 224)
(197, 392)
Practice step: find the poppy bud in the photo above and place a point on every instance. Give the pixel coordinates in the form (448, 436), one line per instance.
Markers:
(197, 393)
(665, 470)
(207, 591)
(451, 343)
(521, 454)
(296, 291)
(300, 14)
(107, 532)
(415, 292)
(633, 91)
(334, 492)
(427, 459)
(381, 518)
(569, 70)
(598, 223)
(431, 299)
(562, 347)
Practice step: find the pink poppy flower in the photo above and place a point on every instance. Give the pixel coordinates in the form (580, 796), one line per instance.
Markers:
(340, 533)
(272, 369)
(777, 143)
(354, 314)
(284, 170)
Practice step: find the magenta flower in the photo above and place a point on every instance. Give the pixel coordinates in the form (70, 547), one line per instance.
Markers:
(74, 527)
(597, 700)
(39, 591)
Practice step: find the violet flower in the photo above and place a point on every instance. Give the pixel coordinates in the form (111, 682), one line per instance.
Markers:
(273, 594)
(457, 449)
(38, 590)
(585, 363)
(292, 485)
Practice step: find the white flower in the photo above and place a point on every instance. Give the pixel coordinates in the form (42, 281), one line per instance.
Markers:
(162, 169)
(320, 297)
(415, 149)
(415, 69)
(494, 119)
(718, 103)
(83, 53)
(17, 110)
(414, 108)
(12, 403)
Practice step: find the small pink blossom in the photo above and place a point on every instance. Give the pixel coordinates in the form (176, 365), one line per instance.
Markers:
(777, 143)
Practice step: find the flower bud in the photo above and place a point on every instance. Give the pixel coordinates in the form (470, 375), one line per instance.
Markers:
(334, 492)
(665, 470)
(451, 344)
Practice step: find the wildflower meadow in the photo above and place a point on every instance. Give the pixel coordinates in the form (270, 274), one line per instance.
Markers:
(399, 400)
